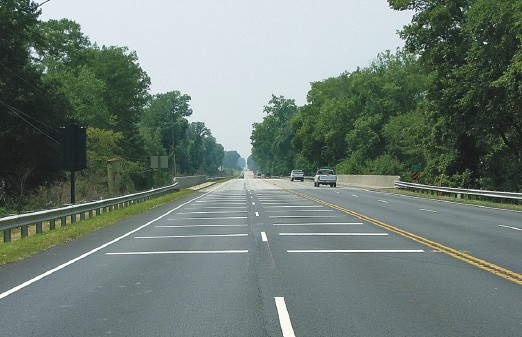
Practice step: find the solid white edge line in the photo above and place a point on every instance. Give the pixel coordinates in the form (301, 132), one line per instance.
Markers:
(81, 257)
(263, 237)
(320, 224)
(284, 317)
(357, 251)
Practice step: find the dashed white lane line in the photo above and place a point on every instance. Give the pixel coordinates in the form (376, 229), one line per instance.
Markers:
(284, 317)
(263, 237)
(383, 201)
(355, 251)
(514, 228)
(257, 213)
(427, 210)
(182, 252)
(190, 236)
(333, 234)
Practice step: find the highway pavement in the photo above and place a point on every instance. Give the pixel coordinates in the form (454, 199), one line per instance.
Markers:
(270, 257)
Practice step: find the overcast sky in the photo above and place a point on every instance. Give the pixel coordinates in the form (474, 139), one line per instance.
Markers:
(230, 56)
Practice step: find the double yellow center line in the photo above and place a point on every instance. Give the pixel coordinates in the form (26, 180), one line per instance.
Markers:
(477, 262)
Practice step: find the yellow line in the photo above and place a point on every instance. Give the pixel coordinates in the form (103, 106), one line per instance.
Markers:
(477, 262)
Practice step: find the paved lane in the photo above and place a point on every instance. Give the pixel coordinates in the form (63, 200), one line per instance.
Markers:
(251, 258)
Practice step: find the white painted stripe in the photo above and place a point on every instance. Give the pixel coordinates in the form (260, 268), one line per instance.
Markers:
(427, 210)
(182, 252)
(189, 236)
(294, 206)
(306, 210)
(333, 234)
(212, 218)
(83, 256)
(357, 251)
(320, 224)
(515, 228)
(216, 207)
(383, 201)
(211, 212)
(263, 237)
(189, 226)
(304, 216)
(284, 317)
(257, 213)
(355, 195)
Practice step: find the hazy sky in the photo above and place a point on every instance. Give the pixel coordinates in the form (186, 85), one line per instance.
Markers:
(230, 56)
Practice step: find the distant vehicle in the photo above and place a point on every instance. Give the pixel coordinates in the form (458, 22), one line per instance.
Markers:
(242, 175)
(325, 176)
(297, 175)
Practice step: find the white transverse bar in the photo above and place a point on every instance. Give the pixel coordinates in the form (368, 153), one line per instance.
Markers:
(284, 317)
(357, 251)
(182, 252)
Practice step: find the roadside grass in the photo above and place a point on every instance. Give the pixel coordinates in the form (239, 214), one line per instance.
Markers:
(20, 248)
(464, 200)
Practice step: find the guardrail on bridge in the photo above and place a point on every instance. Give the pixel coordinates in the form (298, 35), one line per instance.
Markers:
(460, 191)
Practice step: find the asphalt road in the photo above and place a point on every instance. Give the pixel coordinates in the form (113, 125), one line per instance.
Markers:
(258, 257)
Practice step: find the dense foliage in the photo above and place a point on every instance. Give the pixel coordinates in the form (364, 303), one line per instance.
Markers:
(52, 75)
(450, 104)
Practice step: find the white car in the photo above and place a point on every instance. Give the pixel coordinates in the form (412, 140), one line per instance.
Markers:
(297, 175)
(325, 176)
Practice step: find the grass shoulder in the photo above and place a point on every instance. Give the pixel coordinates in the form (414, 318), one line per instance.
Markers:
(22, 248)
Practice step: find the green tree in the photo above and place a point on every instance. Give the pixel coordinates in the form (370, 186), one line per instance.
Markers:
(271, 140)
(29, 108)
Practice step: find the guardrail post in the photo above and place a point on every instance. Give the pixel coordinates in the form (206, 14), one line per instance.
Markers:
(7, 235)
(73, 218)
(52, 224)
(39, 229)
(82, 216)
(24, 231)
(63, 221)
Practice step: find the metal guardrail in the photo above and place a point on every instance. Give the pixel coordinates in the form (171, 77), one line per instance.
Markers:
(460, 191)
(73, 211)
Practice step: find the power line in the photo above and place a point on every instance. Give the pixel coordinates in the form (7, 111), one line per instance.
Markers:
(20, 114)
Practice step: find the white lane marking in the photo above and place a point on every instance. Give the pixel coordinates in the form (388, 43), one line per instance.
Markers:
(212, 218)
(304, 216)
(294, 206)
(357, 251)
(284, 317)
(211, 212)
(257, 213)
(333, 234)
(189, 236)
(81, 257)
(263, 237)
(383, 201)
(427, 210)
(217, 207)
(355, 195)
(320, 224)
(253, 203)
(306, 210)
(189, 226)
(182, 252)
(515, 228)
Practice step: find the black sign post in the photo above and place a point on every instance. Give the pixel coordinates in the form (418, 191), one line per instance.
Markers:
(73, 152)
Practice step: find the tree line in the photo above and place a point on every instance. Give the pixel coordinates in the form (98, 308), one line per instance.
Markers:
(449, 104)
(52, 75)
